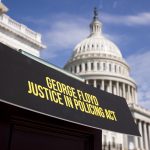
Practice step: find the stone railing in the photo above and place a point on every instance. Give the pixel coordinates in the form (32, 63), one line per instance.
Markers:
(19, 28)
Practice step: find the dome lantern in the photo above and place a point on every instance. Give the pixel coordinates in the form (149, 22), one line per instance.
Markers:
(96, 25)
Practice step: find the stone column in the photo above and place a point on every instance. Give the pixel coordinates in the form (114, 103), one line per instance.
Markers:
(141, 138)
(72, 69)
(95, 83)
(121, 90)
(78, 69)
(149, 135)
(117, 88)
(113, 70)
(101, 66)
(110, 86)
(107, 66)
(95, 66)
(136, 138)
(132, 99)
(88, 66)
(87, 82)
(128, 93)
(145, 136)
(135, 96)
(83, 67)
(124, 90)
(103, 84)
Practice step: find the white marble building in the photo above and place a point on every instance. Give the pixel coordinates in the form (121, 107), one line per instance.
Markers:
(17, 35)
(99, 61)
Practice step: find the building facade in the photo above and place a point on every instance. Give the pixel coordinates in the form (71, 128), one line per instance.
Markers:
(17, 35)
(100, 62)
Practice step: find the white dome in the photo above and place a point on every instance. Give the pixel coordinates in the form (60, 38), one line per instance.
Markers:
(97, 44)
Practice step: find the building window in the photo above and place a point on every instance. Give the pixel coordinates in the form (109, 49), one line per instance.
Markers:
(119, 69)
(80, 49)
(104, 66)
(115, 67)
(88, 47)
(92, 66)
(98, 66)
(113, 89)
(110, 67)
(80, 68)
(75, 69)
(86, 67)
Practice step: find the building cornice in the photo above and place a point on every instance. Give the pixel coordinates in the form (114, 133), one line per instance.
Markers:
(139, 109)
(108, 76)
(21, 30)
(93, 56)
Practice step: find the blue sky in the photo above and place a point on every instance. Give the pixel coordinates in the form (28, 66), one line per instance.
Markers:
(63, 23)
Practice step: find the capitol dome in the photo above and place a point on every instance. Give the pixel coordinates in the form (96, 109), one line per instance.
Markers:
(96, 42)
(99, 61)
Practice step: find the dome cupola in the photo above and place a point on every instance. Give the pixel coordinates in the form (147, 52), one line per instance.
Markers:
(96, 43)
(96, 25)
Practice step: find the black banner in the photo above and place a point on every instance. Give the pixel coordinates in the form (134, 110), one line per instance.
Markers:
(31, 85)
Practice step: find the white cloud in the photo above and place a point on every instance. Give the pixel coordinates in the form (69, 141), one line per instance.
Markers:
(63, 33)
(118, 38)
(140, 65)
(129, 20)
